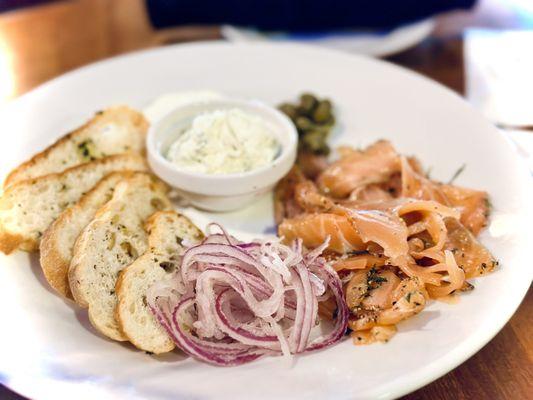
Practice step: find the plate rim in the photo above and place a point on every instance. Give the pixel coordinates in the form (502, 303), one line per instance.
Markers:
(425, 376)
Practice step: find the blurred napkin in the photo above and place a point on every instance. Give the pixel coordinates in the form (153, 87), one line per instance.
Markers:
(499, 82)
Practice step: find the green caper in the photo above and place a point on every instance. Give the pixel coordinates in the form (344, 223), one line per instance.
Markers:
(304, 124)
(330, 122)
(289, 110)
(322, 112)
(325, 129)
(327, 103)
(314, 121)
(308, 103)
(314, 140)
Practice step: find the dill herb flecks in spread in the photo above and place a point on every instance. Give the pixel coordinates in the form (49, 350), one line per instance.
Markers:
(224, 142)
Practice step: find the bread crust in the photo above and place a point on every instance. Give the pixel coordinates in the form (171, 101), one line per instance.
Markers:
(18, 197)
(136, 278)
(55, 262)
(10, 242)
(99, 253)
(121, 287)
(24, 170)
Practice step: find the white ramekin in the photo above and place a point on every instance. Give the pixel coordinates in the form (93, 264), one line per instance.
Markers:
(221, 192)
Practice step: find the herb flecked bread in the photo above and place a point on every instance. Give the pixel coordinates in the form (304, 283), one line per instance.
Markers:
(58, 240)
(29, 207)
(111, 241)
(167, 230)
(115, 130)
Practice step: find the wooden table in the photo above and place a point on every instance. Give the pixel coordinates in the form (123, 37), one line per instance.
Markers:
(40, 43)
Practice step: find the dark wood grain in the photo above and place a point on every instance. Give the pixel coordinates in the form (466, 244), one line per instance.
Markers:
(438, 58)
(503, 369)
(40, 43)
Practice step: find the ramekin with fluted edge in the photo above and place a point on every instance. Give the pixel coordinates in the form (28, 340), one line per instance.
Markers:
(221, 192)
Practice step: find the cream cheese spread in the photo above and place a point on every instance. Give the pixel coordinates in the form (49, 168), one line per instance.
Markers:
(224, 142)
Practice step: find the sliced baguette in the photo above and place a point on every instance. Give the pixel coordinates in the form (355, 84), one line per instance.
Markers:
(113, 131)
(111, 241)
(166, 231)
(28, 208)
(58, 240)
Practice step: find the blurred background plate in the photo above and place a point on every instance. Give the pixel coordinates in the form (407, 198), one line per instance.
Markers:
(373, 43)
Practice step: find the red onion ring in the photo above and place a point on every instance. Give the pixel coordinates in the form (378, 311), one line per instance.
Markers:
(233, 302)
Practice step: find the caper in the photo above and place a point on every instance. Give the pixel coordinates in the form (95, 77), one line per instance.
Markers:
(304, 124)
(325, 129)
(330, 122)
(289, 110)
(308, 103)
(327, 103)
(314, 120)
(322, 112)
(314, 140)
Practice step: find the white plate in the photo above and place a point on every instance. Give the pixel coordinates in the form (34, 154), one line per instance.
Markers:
(49, 351)
(373, 43)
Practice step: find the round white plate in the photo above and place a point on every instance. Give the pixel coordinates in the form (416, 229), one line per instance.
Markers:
(48, 349)
(373, 43)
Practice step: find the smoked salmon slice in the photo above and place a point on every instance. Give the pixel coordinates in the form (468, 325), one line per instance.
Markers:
(357, 168)
(313, 229)
(472, 204)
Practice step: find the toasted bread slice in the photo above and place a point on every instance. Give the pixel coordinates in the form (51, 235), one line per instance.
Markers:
(58, 240)
(113, 131)
(29, 207)
(111, 241)
(166, 230)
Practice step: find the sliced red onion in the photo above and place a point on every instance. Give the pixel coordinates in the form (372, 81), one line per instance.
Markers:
(237, 332)
(204, 349)
(310, 307)
(233, 302)
(229, 238)
(341, 321)
(315, 253)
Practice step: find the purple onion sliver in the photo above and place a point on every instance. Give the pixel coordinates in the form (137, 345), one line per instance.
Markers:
(234, 293)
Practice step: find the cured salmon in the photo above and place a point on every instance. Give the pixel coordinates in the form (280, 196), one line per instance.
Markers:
(396, 237)
(472, 204)
(470, 255)
(313, 229)
(358, 168)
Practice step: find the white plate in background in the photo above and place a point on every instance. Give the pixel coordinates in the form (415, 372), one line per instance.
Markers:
(48, 350)
(372, 43)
